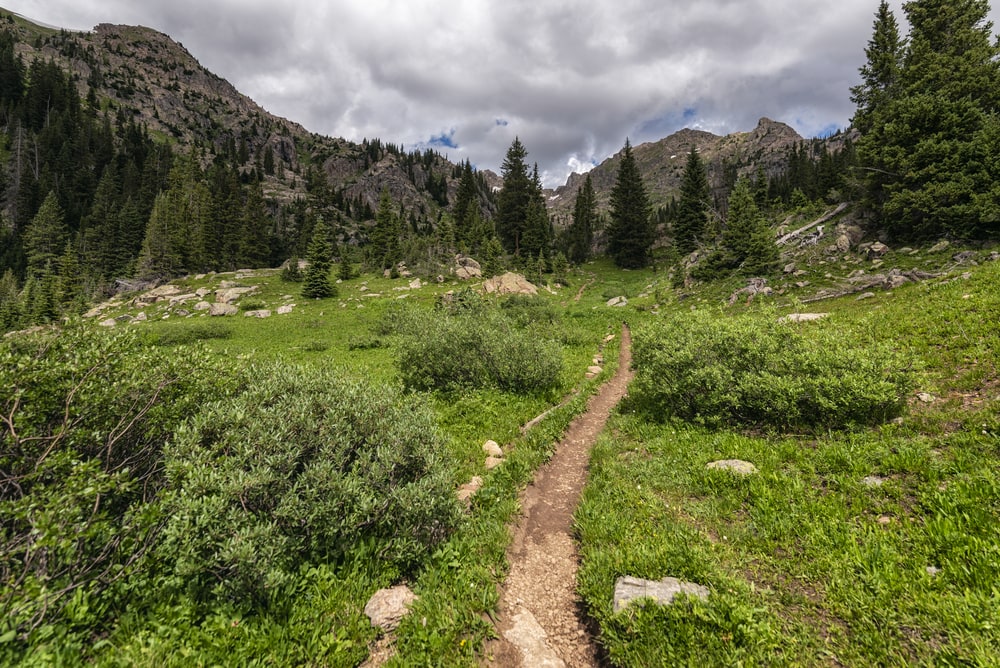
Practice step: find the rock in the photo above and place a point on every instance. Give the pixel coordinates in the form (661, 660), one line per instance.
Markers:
(964, 256)
(609, 338)
(157, 294)
(528, 636)
(926, 397)
(229, 295)
(617, 301)
(735, 465)
(440, 278)
(110, 322)
(843, 243)
(895, 281)
(183, 313)
(939, 246)
(201, 292)
(594, 370)
(387, 607)
(789, 268)
(180, 299)
(225, 285)
(872, 481)
(801, 284)
(803, 317)
(416, 284)
(865, 295)
(877, 250)
(492, 462)
(466, 491)
(492, 448)
(629, 589)
(285, 309)
(262, 313)
(467, 273)
(222, 309)
(755, 286)
(932, 570)
(202, 306)
(509, 284)
(466, 261)
(124, 318)
(94, 312)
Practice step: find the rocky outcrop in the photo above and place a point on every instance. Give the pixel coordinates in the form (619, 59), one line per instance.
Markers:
(510, 284)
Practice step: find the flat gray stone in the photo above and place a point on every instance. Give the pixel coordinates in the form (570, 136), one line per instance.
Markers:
(629, 589)
(221, 309)
(528, 636)
(387, 607)
(735, 465)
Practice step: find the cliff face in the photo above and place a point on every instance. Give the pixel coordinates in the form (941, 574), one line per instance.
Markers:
(662, 163)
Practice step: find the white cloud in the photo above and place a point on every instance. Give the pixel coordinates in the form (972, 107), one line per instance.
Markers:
(571, 80)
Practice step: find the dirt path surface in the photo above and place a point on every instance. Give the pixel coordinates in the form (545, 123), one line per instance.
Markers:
(539, 619)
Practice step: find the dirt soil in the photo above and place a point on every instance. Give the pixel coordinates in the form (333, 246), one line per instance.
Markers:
(540, 622)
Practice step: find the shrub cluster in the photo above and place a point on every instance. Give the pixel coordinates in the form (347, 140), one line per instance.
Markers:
(304, 465)
(477, 349)
(753, 371)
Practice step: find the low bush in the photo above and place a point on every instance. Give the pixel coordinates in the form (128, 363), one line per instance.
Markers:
(753, 371)
(188, 333)
(303, 466)
(530, 309)
(479, 350)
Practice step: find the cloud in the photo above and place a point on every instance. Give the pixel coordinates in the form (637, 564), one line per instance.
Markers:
(572, 81)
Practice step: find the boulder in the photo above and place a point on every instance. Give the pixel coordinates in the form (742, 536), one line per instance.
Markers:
(492, 462)
(466, 261)
(285, 309)
(754, 287)
(229, 295)
(617, 301)
(110, 322)
(510, 284)
(202, 292)
(466, 491)
(416, 284)
(222, 309)
(467, 273)
(492, 448)
(877, 250)
(802, 317)
(939, 246)
(202, 306)
(865, 295)
(594, 370)
(789, 268)
(843, 243)
(141, 317)
(737, 466)
(387, 607)
(964, 256)
(261, 313)
(629, 589)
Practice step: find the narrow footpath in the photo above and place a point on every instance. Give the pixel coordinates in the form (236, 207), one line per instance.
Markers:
(539, 621)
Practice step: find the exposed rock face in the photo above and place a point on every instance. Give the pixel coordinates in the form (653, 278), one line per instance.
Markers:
(229, 295)
(755, 286)
(510, 284)
(629, 589)
(222, 309)
(617, 301)
(387, 607)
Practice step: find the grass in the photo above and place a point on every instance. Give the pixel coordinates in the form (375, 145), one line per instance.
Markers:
(808, 565)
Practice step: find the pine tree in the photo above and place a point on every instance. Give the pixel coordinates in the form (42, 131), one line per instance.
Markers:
(581, 231)
(879, 73)
(10, 308)
(692, 209)
(747, 241)
(630, 235)
(45, 237)
(514, 198)
(317, 284)
(493, 258)
(385, 242)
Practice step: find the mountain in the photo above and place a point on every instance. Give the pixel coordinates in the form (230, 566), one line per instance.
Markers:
(768, 148)
(140, 73)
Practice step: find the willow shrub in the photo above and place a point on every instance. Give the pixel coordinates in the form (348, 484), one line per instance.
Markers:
(754, 371)
(304, 466)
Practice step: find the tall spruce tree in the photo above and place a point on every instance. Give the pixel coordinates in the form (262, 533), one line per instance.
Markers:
(748, 244)
(514, 198)
(385, 242)
(692, 208)
(317, 283)
(581, 231)
(45, 237)
(879, 73)
(933, 147)
(630, 235)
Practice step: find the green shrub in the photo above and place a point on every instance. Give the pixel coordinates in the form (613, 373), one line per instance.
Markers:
(528, 309)
(305, 465)
(81, 458)
(755, 371)
(478, 350)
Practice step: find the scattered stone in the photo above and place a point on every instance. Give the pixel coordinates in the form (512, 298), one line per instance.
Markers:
(877, 250)
(789, 268)
(865, 295)
(110, 322)
(528, 636)
(124, 318)
(884, 519)
(94, 312)
(964, 256)
(222, 309)
(594, 370)
(843, 243)
(202, 306)
(180, 299)
(856, 274)
(800, 272)
(285, 309)
(183, 313)
(201, 292)
(229, 295)
(416, 284)
(926, 397)
(387, 607)
(905, 250)
(932, 570)
(466, 491)
(617, 301)
(141, 317)
(262, 313)
(802, 284)
(492, 462)
(939, 246)
(509, 284)
(735, 465)
(156, 294)
(872, 481)
(609, 338)
(492, 448)
(629, 589)
(225, 285)
(803, 317)
(755, 286)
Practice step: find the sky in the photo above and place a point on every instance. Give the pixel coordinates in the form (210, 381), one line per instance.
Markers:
(572, 80)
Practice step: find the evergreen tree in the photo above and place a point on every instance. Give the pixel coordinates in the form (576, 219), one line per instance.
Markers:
(932, 146)
(514, 198)
(879, 73)
(10, 311)
(317, 284)
(630, 235)
(385, 242)
(255, 246)
(748, 243)
(581, 231)
(493, 258)
(160, 256)
(692, 209)
(45, 237)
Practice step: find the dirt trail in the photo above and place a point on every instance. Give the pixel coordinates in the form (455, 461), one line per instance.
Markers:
(539, 616)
